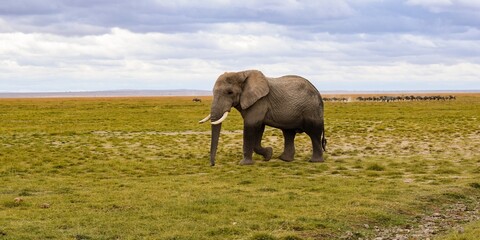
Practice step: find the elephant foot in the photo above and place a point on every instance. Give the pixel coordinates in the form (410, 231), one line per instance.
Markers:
(317, 159)
(268, 153)
(247, 162)
(286, 157)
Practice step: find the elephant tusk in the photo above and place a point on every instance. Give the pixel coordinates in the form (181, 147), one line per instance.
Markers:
(221, 119)
(205, 119)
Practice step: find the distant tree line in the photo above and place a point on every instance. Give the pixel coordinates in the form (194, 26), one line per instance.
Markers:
(391, 98)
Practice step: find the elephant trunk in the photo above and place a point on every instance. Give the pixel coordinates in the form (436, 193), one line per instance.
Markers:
(218, 114)
(214, 143)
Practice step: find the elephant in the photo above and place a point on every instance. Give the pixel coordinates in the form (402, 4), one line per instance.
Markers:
(290, 103)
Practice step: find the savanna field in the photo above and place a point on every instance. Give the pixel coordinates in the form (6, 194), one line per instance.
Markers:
(138, 168)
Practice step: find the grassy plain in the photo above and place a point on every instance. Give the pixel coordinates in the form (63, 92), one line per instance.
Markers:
(138, 168)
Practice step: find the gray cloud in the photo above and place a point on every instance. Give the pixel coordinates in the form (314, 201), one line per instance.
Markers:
(145, 44)
(342, 17)
(149, 15)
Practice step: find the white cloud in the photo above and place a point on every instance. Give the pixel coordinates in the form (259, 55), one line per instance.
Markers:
(353, 45)
(124, 59)
(420, 41)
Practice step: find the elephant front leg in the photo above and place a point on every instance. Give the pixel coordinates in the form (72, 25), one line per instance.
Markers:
(248, 145)
(265, 152)
(289, 146)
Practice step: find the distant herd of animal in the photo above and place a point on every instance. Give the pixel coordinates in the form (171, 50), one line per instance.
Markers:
(381, 98)
(390, 98)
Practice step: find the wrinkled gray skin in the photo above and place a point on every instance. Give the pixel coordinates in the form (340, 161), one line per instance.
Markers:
(290, 103)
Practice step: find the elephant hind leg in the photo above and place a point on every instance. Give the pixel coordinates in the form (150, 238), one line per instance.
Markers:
(317, 155)
(315, 132)
(289, 146)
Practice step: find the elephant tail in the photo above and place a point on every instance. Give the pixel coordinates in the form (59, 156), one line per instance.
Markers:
(324, 140)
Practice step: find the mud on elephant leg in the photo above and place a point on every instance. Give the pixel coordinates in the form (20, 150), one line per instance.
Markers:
(289, 146)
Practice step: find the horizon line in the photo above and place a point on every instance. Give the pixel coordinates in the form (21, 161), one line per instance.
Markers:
(193, 93)
(203, 90)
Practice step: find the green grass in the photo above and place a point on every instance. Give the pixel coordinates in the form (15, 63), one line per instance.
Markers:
(470, 232)
(138, 168)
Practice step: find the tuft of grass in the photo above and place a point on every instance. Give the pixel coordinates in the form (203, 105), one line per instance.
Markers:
(455, 195)
(245, 182)
(263, 236)
(375, 167)
(475, 185)
(469, 232)
(13, 204)
(446, 170)
(82, 237)
(291, 237)
(224, 231)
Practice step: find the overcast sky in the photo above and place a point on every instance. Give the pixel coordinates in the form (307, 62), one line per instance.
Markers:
(82, 45)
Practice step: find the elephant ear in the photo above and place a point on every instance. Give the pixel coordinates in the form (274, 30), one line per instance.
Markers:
(255, 87)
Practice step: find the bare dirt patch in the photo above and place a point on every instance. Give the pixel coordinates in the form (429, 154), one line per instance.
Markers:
(428, 226)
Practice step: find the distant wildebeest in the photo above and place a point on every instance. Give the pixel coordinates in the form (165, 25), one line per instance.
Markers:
(197, 100)
(404, 98)
(335, 99)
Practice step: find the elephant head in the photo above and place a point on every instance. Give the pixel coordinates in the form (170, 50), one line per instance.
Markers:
(233, 89)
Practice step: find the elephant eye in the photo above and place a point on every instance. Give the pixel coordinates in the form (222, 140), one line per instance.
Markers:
(229, 92)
